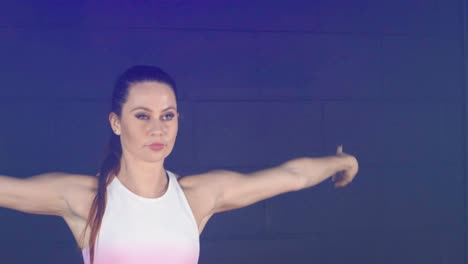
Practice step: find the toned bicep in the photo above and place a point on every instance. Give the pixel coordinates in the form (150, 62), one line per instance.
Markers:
(227, 190)
(238, 190)
(42, 194)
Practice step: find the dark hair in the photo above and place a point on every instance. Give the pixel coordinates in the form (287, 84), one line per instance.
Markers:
(110, 166)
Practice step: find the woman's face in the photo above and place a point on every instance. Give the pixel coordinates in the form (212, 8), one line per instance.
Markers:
(149, 121)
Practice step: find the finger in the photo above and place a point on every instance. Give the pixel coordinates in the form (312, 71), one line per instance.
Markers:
(344, 180)
(339, 149)
(341, 183)
(335, 177)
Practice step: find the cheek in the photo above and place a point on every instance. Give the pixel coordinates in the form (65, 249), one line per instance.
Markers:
(132, 133)
(172, 132)
(176, 129)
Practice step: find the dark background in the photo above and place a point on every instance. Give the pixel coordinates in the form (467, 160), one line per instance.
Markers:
(260, 82)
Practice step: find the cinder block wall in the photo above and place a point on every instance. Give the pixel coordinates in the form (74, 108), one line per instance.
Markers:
(260, 82)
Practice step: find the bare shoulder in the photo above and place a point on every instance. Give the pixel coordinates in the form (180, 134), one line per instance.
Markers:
(198, 188)
(201, 198)
(79, 193)
(47, 193)
(77, 190)
(71, 185)
(203, 181)
(66, 181)
(56, 193)
(78, 180)
(203, 185)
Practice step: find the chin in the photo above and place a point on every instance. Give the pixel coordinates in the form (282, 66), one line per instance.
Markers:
(157, 157)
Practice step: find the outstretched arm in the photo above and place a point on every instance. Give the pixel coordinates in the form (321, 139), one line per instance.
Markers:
(42, 194)
(226, 190)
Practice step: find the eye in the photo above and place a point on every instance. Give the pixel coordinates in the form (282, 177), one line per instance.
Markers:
(168, 116)
(142, 116)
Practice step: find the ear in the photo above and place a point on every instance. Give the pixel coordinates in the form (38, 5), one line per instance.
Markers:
(114, 121)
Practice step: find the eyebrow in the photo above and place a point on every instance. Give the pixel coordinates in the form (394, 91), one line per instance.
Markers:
(149, 110)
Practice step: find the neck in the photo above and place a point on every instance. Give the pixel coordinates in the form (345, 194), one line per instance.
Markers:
(146, 179)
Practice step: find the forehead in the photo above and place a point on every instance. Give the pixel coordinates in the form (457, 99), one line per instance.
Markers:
(150, 94)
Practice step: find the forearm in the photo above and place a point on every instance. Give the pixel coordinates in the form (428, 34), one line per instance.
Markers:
(312, 171)
(231, 190)
(8, 197)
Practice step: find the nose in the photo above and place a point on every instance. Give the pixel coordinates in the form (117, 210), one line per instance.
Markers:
(157, 127)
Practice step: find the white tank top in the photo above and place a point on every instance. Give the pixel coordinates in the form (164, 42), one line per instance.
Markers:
(146, 231)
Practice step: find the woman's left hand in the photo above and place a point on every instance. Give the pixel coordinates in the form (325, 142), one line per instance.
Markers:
(344, 177)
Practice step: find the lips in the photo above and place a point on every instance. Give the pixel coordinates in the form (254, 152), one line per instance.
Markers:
(156, 146)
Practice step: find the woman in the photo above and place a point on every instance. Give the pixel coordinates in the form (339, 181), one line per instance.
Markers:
(136, 211)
